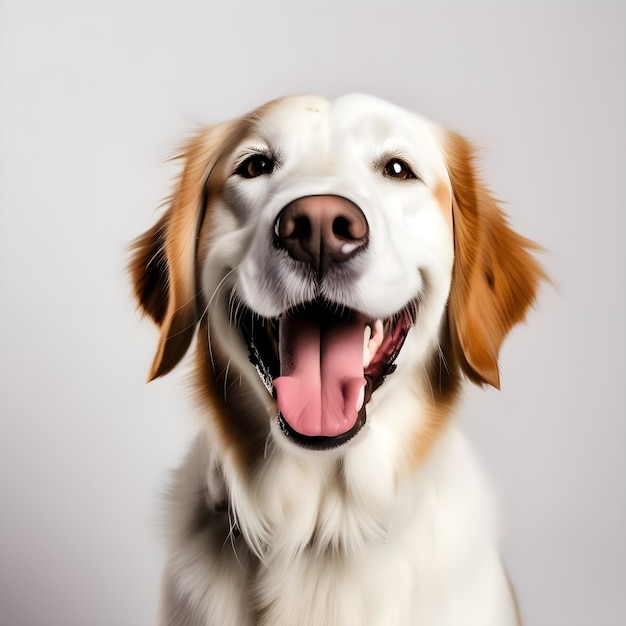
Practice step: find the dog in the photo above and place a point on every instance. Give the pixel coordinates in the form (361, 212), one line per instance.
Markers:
(340, 269)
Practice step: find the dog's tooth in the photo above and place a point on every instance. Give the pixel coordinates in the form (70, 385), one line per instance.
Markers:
(360, 399)
(367, 357)
(376, 340)
(378, 331)
(373, 339)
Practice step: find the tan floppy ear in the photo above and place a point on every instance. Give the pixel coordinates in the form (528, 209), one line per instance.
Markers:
(163, 263)
(495, 278)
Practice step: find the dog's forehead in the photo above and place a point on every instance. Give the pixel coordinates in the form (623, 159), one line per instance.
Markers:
(353, 118)
(293, 118)
(377, 118)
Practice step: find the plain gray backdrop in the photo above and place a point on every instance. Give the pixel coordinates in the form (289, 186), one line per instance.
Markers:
(93, 101)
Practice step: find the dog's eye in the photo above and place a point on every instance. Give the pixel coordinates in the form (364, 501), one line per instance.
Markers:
(256, 165)
(397, 168)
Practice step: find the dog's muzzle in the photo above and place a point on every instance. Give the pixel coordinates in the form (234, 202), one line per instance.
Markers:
(321, 359)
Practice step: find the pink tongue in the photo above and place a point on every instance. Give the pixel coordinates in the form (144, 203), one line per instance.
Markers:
(322, 375)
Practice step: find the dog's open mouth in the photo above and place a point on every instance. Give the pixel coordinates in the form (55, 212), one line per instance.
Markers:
(323, 362)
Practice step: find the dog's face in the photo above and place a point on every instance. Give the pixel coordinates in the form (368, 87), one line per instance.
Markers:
(348, 202)
(324, 244)
(340, 233)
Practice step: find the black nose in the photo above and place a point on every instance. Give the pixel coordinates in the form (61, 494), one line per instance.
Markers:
(321, 230)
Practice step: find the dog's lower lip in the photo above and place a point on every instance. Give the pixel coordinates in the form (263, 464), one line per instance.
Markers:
(321, 443)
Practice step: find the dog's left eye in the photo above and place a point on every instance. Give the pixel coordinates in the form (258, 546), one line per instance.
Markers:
(256, 165)
(397, 168)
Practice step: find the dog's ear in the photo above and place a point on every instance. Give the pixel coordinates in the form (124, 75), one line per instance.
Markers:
(495, 278)
(163, 263)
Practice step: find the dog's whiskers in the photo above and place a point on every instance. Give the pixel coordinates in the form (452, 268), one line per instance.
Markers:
(233, 532)
(220, 285)
(235, 309)
(430, 384)
(207, 312)
(443, 361)
(226, 378)
(268, 447)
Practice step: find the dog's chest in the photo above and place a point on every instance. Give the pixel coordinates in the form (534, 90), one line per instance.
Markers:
(374, 560)
(399, 578)
(406, 559)
(375, 589)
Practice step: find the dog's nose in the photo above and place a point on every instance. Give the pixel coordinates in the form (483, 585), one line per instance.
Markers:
(321, 230)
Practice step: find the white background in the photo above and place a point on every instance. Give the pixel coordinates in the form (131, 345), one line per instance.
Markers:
(92, 103)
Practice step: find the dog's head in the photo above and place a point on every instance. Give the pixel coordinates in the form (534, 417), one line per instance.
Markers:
(320, 245)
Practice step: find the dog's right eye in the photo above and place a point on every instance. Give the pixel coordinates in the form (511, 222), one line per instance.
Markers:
(255, 165)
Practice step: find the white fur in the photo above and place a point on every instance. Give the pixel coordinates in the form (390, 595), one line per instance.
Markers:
(368, 534)
(422, 552)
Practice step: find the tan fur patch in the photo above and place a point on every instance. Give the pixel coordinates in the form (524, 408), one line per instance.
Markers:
(443, 196)
(439, 395)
